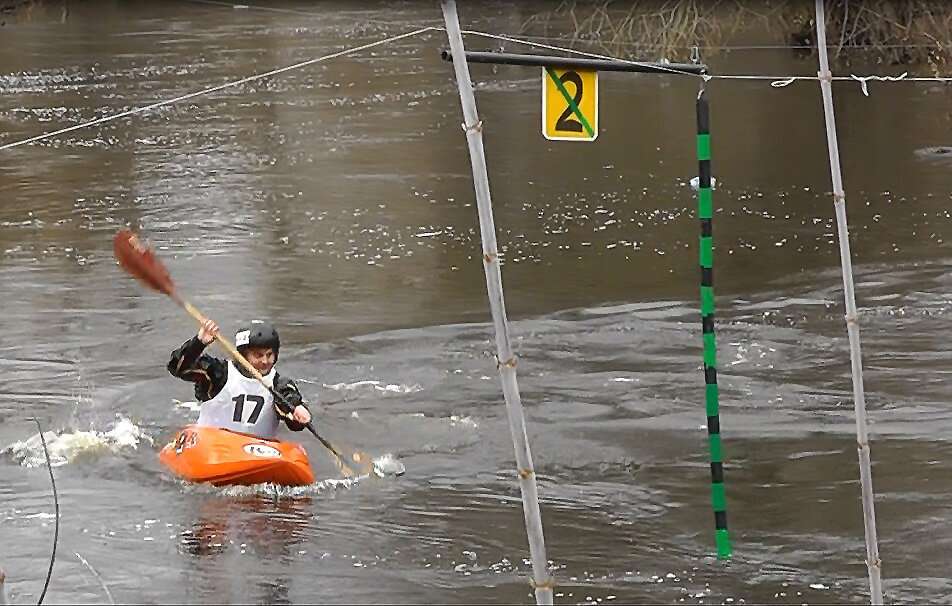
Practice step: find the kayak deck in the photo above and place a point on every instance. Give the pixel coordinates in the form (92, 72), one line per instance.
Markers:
(224, 458)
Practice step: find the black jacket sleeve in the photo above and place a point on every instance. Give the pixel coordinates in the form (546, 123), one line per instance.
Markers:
(292, 396)
(190, 364)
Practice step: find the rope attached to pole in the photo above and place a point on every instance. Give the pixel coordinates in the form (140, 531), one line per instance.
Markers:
(705, 213)
(49, 467)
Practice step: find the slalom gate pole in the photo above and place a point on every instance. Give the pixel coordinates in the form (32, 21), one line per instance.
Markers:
(873, 563)
(542, 580)
(705, 214)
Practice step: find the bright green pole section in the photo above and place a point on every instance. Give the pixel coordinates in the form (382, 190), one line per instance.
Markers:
(705, 213)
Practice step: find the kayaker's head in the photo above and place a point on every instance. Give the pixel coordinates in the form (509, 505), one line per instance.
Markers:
(259, 344)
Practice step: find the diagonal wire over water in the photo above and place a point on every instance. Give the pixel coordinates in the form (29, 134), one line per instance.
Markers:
(776, 81)
(145, 108)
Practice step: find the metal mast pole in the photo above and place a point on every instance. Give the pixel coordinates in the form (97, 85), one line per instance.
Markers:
(873, 563)
(505, 358)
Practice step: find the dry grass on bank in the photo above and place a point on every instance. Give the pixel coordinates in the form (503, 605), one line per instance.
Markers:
(916, 34)
(26, 11)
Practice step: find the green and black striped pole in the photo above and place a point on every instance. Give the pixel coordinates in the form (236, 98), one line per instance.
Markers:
(705, 213)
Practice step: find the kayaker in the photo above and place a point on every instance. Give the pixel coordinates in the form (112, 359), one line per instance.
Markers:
(232, 399)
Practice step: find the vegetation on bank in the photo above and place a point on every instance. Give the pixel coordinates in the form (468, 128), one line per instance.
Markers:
(25, 11)
(916, 34)
(913, 34)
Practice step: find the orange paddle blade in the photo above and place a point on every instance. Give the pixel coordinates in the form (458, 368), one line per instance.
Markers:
(137, 259)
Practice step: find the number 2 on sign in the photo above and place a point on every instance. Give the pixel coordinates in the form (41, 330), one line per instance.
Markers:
(565, 122)
(240, 405)
(569, 104)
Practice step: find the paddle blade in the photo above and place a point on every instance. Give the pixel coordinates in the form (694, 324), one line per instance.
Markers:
(137, 259)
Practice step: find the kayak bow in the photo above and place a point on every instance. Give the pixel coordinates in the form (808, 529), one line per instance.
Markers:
(222, 458)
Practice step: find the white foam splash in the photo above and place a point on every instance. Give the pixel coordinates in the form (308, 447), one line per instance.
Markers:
(188, 405)
(384, 466)
(388, 465)
(466, 421)
(274, 490)
(67, 447)
(376, 385)
(43, 515)
(454, 420)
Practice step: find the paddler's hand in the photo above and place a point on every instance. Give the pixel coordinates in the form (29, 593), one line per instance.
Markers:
(208, 332)
(301, 415)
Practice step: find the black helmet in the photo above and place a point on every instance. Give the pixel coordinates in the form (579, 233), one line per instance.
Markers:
(257, 334)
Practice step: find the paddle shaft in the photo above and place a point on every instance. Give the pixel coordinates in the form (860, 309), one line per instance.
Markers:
(283, 405)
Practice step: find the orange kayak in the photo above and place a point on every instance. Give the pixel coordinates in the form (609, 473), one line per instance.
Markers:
(222, 457)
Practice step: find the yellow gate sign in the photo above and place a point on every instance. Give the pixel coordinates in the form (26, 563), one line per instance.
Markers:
(569, 104)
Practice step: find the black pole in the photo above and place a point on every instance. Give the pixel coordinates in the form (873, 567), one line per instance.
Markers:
(601, 65)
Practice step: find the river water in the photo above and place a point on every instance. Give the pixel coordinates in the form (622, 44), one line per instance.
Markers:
(336, 200)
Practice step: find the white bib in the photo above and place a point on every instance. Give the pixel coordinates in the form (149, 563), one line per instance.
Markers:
(243, 404)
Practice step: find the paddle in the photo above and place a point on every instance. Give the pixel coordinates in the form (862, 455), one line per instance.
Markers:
(139, 260)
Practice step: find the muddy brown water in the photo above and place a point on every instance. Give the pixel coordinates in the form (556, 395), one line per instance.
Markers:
(336, 200)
